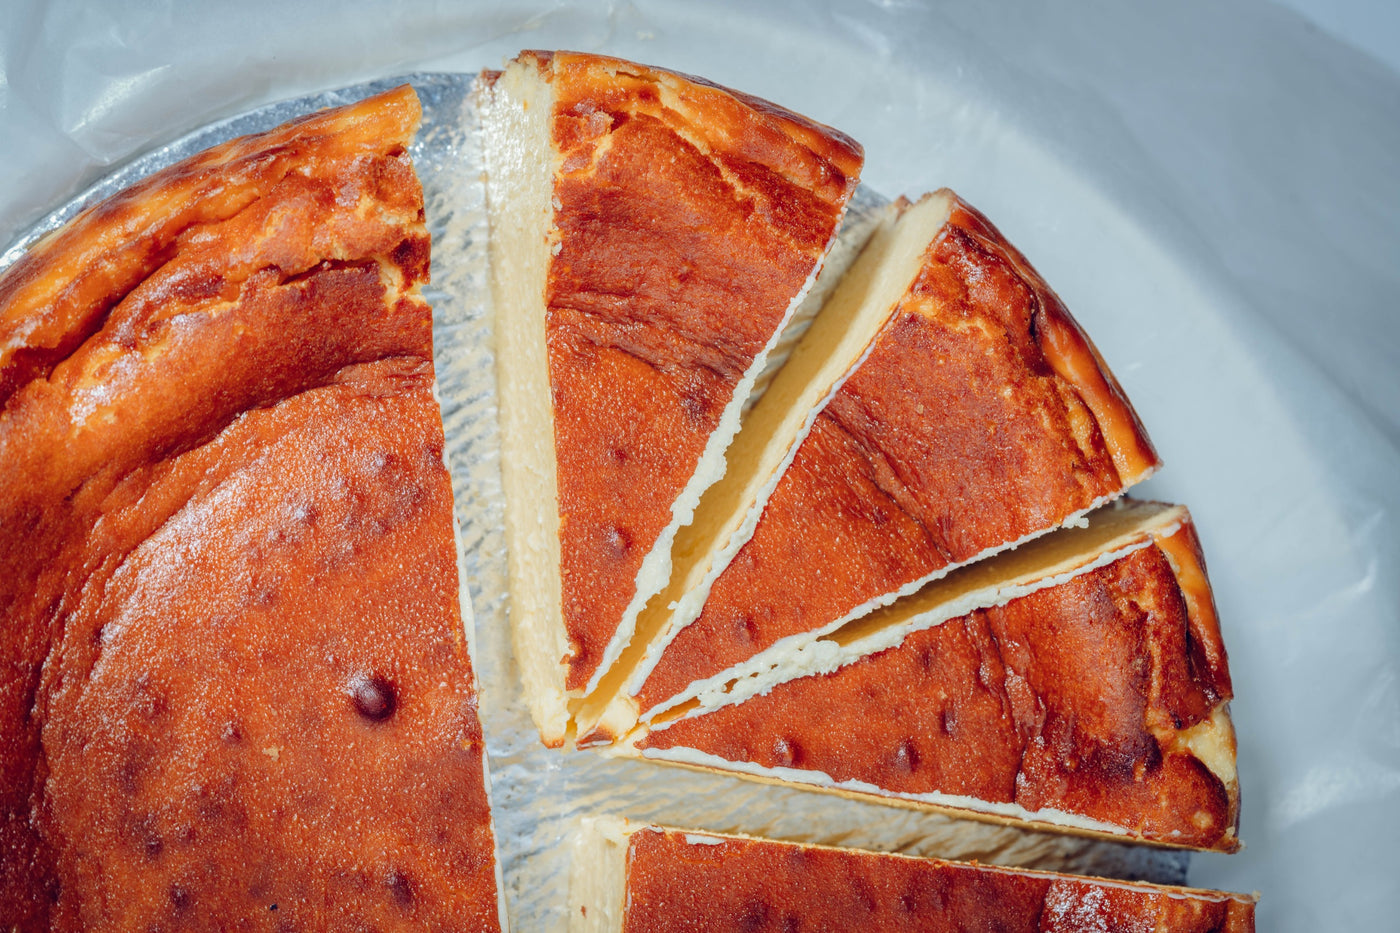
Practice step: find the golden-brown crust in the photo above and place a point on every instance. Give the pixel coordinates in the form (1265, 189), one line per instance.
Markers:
(226, 693)
(958, 433)
(687, 220)
(1073, 355)
(55, 296)
(1070, 698)
(1183, 549)
(829, 148)
(725, 883)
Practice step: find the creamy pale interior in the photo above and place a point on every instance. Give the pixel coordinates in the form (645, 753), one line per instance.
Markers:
(521, 167)
(598, 875)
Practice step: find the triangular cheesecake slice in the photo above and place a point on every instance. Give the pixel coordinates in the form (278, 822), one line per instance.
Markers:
(237, 690)
(1088, 691)
(640, 878)
(943, 407)
(651, 234)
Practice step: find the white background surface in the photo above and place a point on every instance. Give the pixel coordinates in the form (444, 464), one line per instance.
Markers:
(1212, 187)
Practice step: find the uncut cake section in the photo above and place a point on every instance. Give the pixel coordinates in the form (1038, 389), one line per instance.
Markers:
(240, 680)
(651, 234)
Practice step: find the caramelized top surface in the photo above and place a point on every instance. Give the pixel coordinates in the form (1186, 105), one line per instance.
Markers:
(688, 218)
(238, 692)
(1074, 697)
(959, 432)
(727, 884)
(60, 292)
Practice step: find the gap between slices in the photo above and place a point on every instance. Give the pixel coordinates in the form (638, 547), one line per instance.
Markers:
(940, 328)
(651, 236)
(1079, 682)
(632, 877)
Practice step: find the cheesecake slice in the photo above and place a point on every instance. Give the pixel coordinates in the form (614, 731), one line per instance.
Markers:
(651, 234)
(943, 407)
(237, 692)
(1088, 691)
(632, 878)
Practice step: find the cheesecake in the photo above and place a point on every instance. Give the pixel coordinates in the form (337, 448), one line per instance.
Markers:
(1087, 692)
(238, 688)
(651, 235)
(943, 408)
(640, 878)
